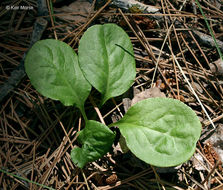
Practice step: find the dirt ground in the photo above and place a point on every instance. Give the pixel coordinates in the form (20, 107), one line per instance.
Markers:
(174, 51)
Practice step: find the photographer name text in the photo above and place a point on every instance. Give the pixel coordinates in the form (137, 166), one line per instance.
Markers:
(20, 7)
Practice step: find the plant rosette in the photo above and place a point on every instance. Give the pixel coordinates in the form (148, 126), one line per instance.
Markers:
(160, 131)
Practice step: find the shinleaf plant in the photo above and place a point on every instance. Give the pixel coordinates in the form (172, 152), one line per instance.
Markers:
(160, 131)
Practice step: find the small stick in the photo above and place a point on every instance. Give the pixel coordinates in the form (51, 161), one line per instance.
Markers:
(211, 172)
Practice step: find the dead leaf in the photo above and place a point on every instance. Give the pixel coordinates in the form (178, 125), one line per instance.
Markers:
(216, 142)
(111, 179)
(198, 162)
(148, 93)
(81, 9)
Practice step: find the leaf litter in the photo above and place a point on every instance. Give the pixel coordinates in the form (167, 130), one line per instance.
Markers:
(36, 133)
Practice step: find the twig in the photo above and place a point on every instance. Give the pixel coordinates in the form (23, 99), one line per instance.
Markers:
(208, 40)
(128, 4)
(19, 73)
(211, 172)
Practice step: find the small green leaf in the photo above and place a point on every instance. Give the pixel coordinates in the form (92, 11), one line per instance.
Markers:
(161, 131)
(106, 59)
(53, 69)
(96, 139)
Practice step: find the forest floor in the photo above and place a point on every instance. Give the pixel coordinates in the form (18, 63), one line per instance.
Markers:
(36, 133)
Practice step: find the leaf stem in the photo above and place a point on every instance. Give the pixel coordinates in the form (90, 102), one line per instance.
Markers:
(101, 101)
(83, 113)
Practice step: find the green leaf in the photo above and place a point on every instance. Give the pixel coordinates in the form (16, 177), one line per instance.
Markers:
(96, 139)
(106, 59)
(161, 131)
(53, 69)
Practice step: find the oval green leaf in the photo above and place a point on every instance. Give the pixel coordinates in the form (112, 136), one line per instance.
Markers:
(53, 69)
(161, 131)
(96, 139)
(106, 58)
